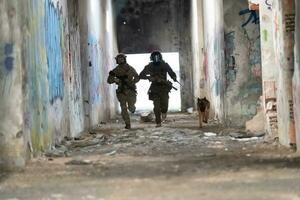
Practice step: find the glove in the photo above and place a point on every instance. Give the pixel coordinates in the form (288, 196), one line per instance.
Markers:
(117, 81)
(152, 79)
(175, 79)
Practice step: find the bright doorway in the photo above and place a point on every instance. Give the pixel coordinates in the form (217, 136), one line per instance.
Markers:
(139, 61)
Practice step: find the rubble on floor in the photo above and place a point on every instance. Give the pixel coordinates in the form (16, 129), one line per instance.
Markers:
(148, 140)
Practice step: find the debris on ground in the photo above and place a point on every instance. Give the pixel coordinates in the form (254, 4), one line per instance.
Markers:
(190, 110)
(210, 134)
(147, 139)
(257, 123)
(79, 162)
(246, 135)
(146, 117)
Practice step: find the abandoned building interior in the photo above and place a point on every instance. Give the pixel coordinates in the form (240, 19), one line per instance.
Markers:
(61, 134)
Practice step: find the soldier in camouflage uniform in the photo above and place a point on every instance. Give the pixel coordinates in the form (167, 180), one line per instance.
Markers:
(126, 78)
(156, 72)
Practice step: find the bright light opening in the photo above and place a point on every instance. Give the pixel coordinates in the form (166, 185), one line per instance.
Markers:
(139, 61)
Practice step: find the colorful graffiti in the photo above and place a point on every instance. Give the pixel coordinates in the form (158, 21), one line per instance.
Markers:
(9, 59)
(7, 66)
(53, 39)
(269, 5)
(94, 68)
(253, 17)
(230, 62)
(36, 88)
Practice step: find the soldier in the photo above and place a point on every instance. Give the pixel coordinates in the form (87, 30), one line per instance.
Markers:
(156, 72)
(125, 77)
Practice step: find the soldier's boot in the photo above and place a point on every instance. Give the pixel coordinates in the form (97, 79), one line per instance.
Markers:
(163, 117)
(125, 115)
(132, 109)
(128, 126)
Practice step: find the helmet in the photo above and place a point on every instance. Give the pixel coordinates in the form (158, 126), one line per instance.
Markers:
(156, 57)
(121, 58)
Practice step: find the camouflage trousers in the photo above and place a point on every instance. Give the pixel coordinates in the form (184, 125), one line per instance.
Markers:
(127, 101)
(161, 105)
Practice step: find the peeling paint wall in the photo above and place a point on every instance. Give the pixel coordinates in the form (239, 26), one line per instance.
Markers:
(284, 28)
(46, 75)
(98, 49)
(75, 76)
(214, 55)
(270, 69)
(11, 69)
(243, 84)
(42, 74)
(296, 79)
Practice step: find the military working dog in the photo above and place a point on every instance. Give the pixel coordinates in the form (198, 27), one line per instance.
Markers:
(203, 106)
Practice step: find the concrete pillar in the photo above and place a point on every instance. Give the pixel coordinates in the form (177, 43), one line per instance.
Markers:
(186, 69)
(97, 59)
(284, 19)
(296, 80)
(198, 49)
(270, 69)
(11, 100)
(214, 55)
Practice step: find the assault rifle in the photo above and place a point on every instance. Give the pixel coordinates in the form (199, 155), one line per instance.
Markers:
(123, 82)
(159, 79)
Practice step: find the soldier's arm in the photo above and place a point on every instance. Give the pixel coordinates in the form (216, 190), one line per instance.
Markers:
(136, 77)
(145, 73)
(171, 72)
(112, 77)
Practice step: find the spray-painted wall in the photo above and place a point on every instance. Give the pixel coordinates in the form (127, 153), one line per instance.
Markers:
(296, 80)
(11, 69)
(270, 69)
(214, 54)
(97, 53)
(42, 75)
(243, 83)
(284, 28)
(46, 75)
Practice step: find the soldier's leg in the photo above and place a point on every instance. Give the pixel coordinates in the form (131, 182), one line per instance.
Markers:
(157, 110)
(131, 100)
(124, 112)
(164, 102)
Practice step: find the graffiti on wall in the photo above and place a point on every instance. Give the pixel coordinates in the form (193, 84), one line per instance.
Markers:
(54, 42)
(6, 67)
(94, 70)
(290, 23)
(36, 90)
(268, 4)
(253, 16)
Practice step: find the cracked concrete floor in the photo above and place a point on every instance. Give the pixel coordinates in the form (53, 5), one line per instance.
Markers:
(177, 161)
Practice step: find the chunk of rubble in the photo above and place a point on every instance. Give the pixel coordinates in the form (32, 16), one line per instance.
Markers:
(209, 134)
(79, 162)
(246, 135)
(85, 143)
(57, 152)
(146, 117)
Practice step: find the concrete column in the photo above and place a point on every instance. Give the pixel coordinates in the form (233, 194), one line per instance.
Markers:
(284, 18)
(214, 55)
(186, 69)
(11, 117)
(270, 69)
(296, 81)
(198, 49)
